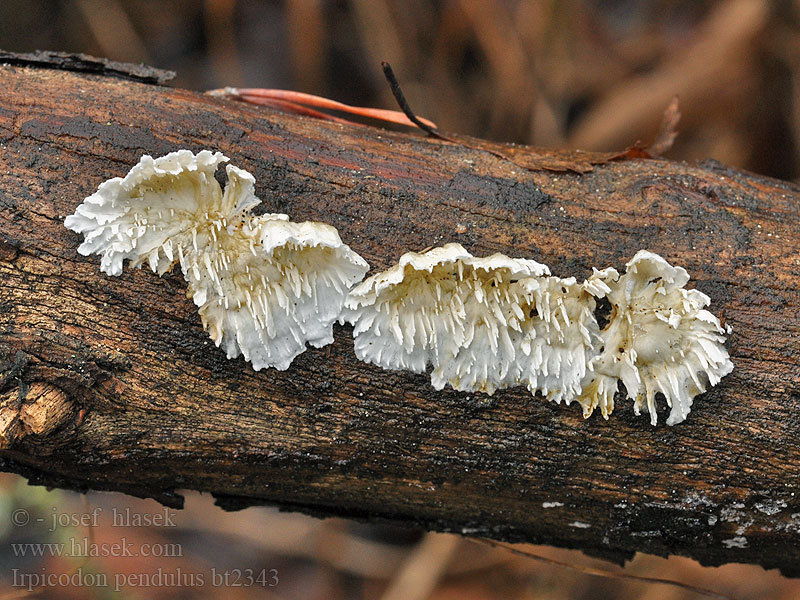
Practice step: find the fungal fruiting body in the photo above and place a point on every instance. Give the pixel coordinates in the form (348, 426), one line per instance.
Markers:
(264, 286)
(481, 323)
(152, 211)
(484, 324)
(659, 338)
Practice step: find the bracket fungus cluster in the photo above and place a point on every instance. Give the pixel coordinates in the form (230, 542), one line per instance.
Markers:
(266, 286)
(482, 323)
(496, 322)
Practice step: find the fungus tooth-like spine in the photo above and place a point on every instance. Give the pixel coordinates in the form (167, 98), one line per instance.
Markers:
(264, 286)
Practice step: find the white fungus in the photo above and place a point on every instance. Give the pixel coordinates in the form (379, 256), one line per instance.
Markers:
(484, 324)
(264, 286)
(659, 338)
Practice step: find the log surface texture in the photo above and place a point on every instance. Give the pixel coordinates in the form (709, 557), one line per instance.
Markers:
(111, 383)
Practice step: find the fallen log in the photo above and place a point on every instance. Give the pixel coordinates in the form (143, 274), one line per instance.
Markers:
(112, 384)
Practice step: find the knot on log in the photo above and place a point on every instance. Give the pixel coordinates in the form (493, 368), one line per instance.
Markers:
(40, 410)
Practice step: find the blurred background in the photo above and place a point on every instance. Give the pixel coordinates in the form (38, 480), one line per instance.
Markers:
(590, 74)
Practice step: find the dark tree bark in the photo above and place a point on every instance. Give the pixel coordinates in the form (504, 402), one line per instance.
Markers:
(111, 383)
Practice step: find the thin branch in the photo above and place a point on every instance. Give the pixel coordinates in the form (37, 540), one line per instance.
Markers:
(602, 572)
(404, 106)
